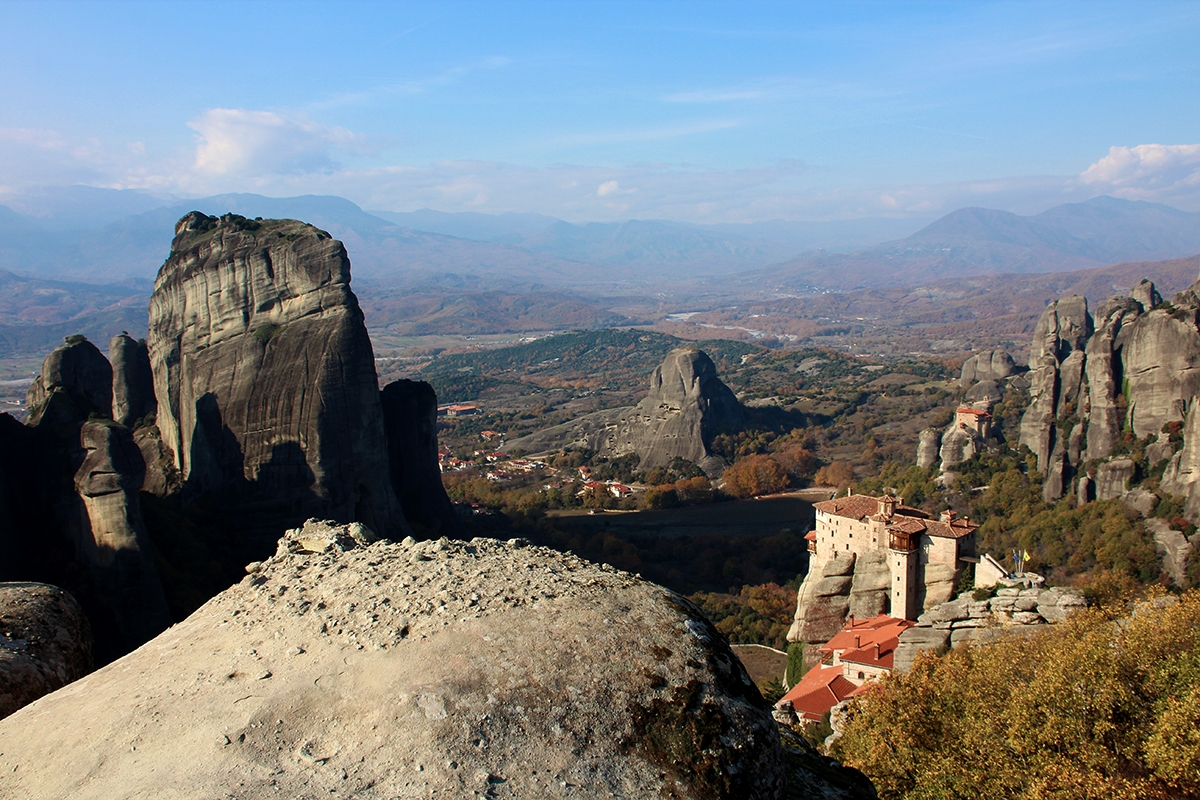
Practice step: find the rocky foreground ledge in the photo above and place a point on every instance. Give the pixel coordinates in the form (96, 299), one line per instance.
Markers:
(376, 669)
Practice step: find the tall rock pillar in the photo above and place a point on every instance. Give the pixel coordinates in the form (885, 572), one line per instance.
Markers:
(265, 377)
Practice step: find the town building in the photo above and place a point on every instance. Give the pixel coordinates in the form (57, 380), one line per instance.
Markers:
(861, 652)
(862, 524)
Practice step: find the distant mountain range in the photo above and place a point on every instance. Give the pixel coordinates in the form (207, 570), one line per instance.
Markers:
(434, 272)
(98, 235)
(977, 241)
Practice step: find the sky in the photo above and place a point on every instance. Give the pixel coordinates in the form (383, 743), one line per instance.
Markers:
(722, 112)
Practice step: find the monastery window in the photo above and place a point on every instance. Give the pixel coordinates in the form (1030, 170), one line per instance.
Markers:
(847, 545)
(861, 676)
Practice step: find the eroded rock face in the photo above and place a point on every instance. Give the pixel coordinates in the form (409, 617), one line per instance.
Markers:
(76, 381)
(928, 446)
(1139, 370)
(823, 601)
(404, 669)
(686, 406)
(115, 545)
(410, 418)
(133, 383)
(265, 378)
(1182, 475)
(45, 643)
(990, 365)
(80, 507)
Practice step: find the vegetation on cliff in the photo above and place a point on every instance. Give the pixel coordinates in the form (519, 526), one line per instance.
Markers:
(1102, 705)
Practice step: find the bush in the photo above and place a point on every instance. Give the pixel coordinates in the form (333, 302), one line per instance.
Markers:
(1092, 707)
(753, 476)
(795, 664)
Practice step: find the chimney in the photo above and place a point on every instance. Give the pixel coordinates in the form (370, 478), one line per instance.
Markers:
(947, 516)
(857, 641)
(876, 651)
(850, 621)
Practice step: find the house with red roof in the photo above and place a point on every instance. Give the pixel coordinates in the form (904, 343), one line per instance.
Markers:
(863, 651)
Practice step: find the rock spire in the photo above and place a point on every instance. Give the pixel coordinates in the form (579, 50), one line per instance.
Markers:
(265, 377)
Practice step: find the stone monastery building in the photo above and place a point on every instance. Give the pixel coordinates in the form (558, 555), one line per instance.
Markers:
(920, 550)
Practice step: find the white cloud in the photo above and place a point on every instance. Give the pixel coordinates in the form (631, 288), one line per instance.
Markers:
(1148, 172)
(244, 143)
(607, 188)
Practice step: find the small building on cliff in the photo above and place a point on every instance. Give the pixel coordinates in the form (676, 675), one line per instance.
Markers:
(862, 651)
(861, 525)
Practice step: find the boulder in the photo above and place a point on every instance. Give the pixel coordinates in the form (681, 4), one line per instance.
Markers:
(408, 669)
(1055, 605)
(1100, 370)
(267, 393)
(958, 445)
(1173, 548)
(45, 643)
(1141, 501)
(918, 640)
(1161, 366)
(133, 383)
(410, 419)
(986, 393)
(823, 600)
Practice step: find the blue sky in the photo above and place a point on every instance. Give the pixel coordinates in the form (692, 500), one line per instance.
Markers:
(701, 112)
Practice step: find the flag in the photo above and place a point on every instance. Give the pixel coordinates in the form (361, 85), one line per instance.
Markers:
(1026, 557)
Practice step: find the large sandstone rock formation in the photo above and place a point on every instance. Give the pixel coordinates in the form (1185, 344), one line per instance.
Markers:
(1135, 367)
(265, 378)
(990, 365)
(45, 643)
(82, 513)
(408, 669)
(75, 383)
(133, 382)
(685, 408)
(410, 417)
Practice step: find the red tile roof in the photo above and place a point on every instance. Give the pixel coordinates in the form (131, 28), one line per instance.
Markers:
(856, 506)
(819, 690)
(857, 636)
(974, 411)
(906, 519)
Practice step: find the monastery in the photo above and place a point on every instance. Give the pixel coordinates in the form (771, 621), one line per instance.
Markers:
(862, 524)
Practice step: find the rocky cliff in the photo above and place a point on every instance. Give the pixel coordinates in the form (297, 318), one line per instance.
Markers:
(686, 406)
(79, 513)
(410, 418)
(407, 670)
(265, 379)
(1121, 378)
(133, 382)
